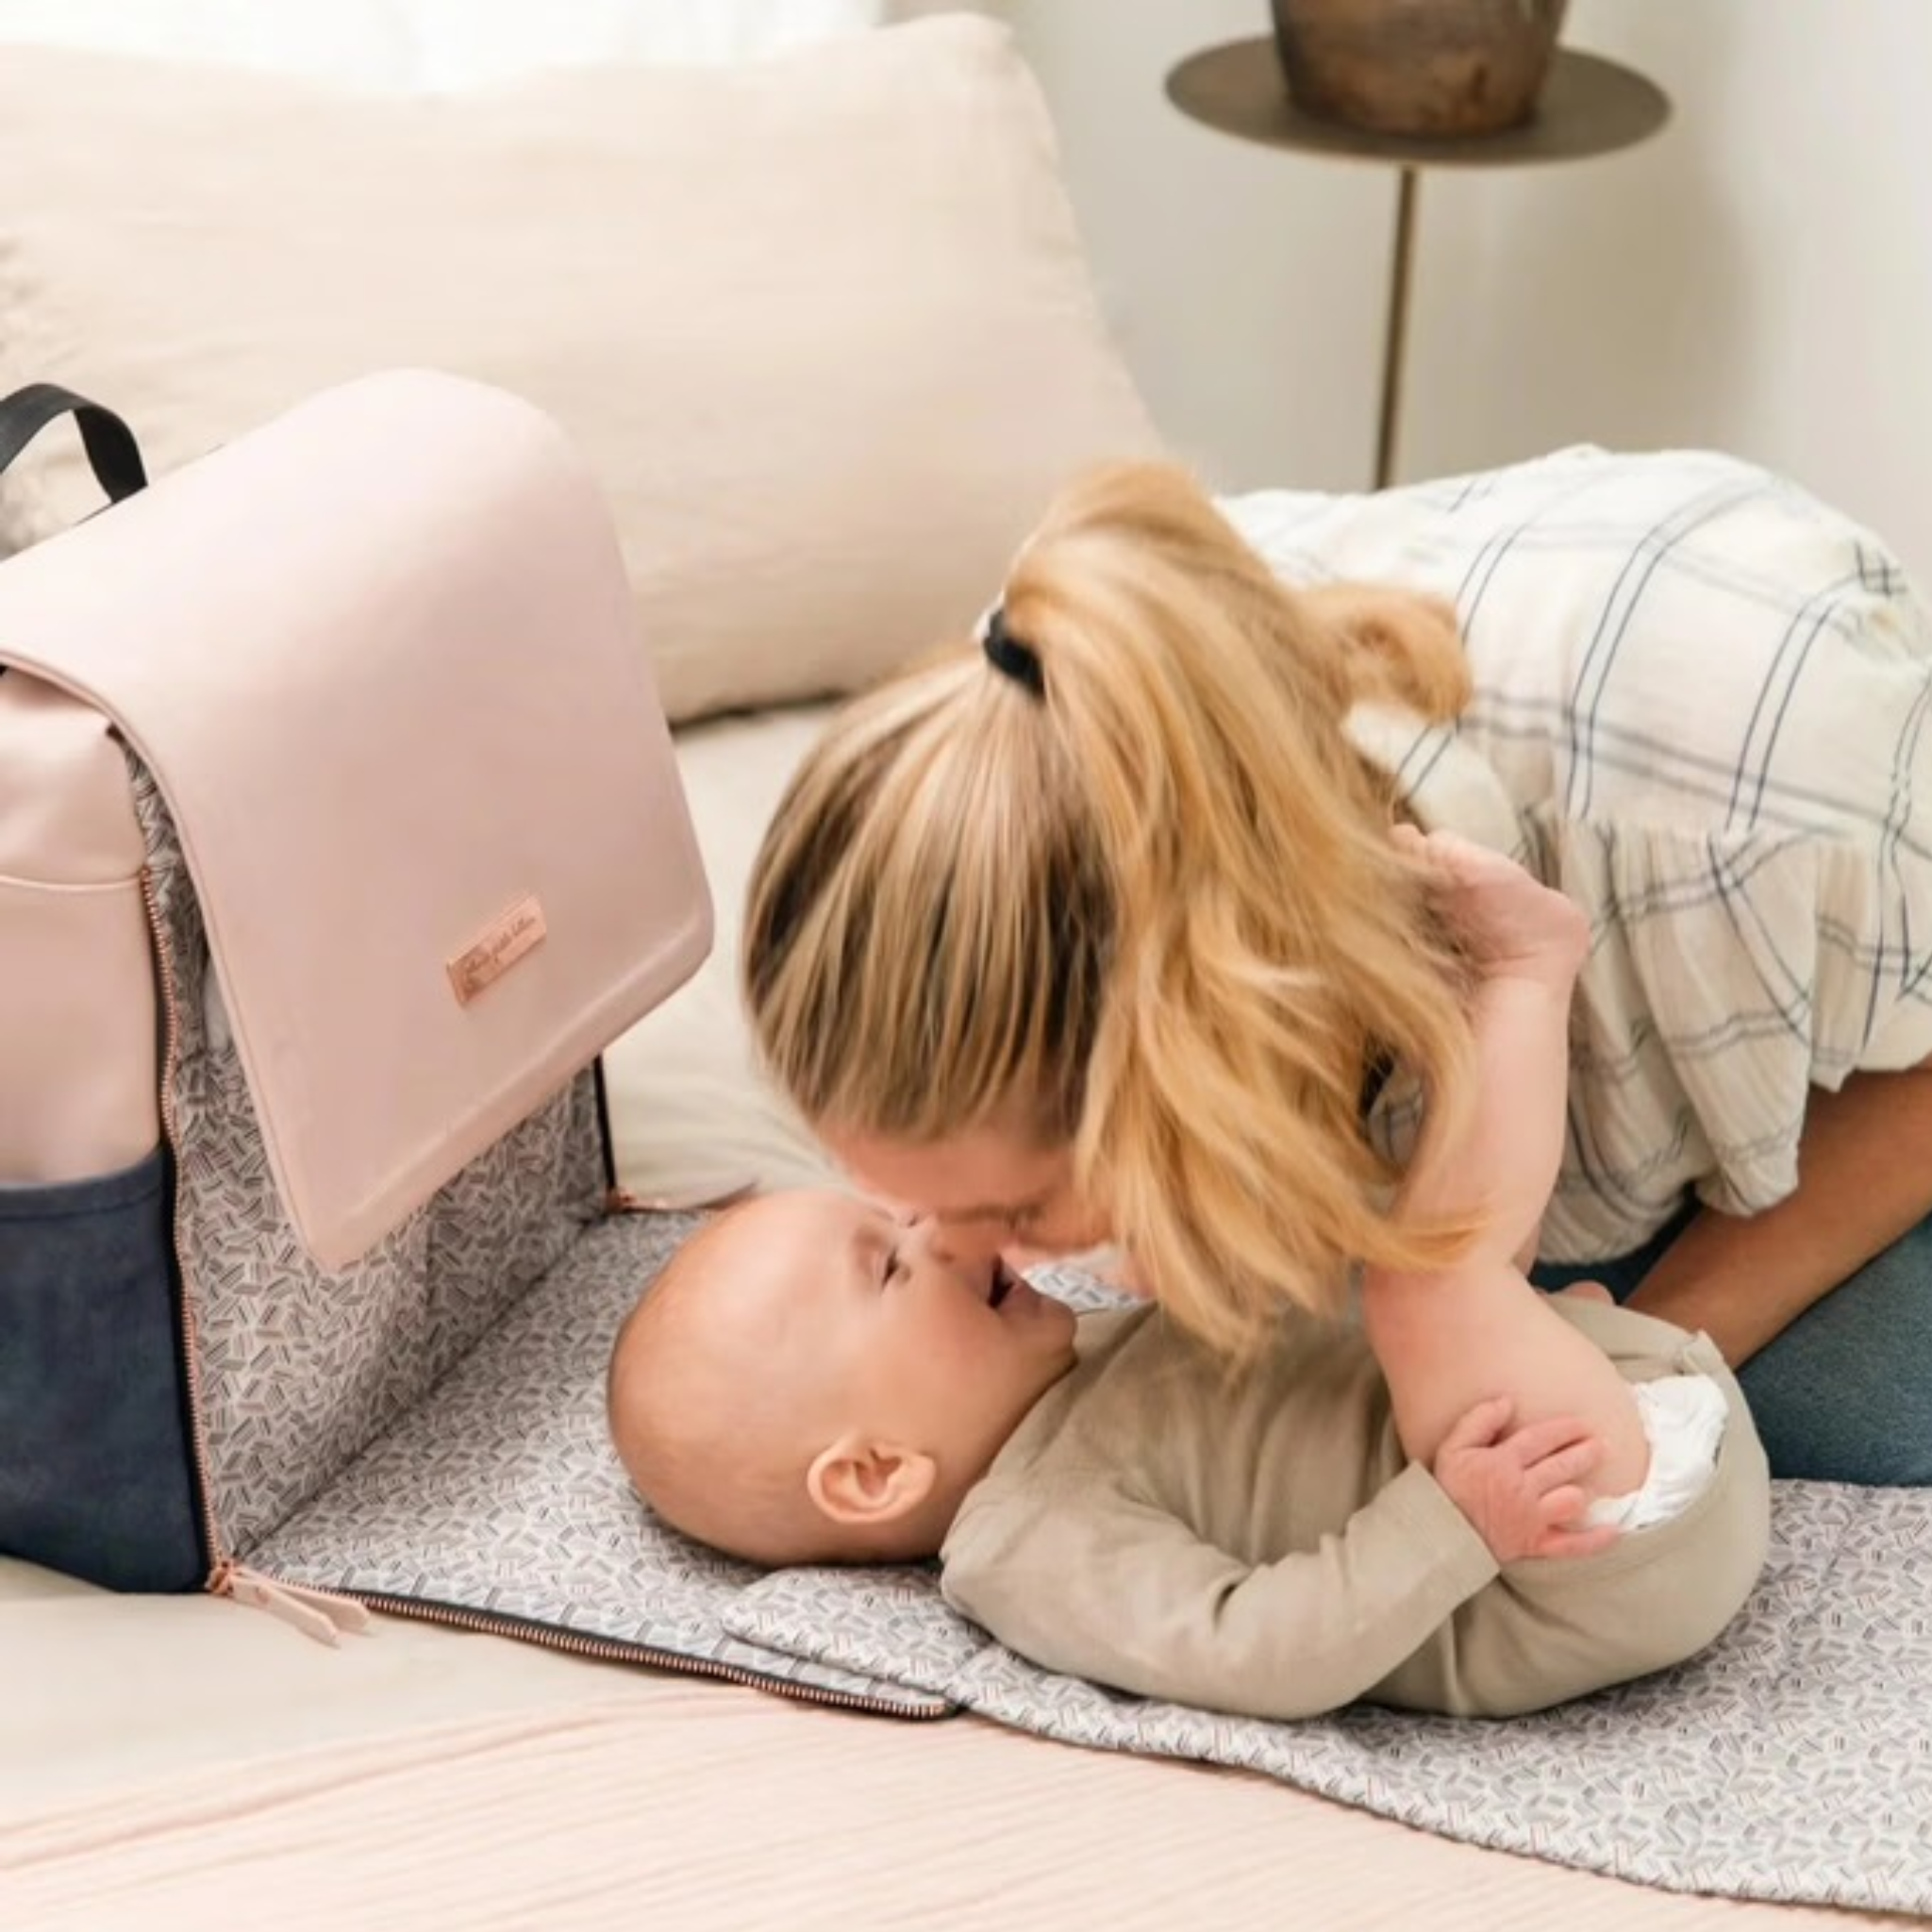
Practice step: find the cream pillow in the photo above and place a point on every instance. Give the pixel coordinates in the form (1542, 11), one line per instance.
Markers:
(691, 1114)
(429, 46)
(821, 323)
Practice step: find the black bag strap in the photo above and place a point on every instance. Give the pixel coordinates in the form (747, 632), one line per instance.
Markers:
(112, 450)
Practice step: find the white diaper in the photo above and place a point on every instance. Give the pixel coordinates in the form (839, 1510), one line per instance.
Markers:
(1684, 1417)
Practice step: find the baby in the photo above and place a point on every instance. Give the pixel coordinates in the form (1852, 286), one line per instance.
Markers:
(1476, 1501)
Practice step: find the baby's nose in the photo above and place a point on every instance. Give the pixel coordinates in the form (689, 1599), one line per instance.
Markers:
(959, 1243)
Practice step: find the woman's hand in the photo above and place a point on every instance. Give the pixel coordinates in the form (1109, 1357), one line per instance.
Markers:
(1522, 1489)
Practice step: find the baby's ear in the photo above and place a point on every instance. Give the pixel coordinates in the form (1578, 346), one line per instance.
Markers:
(860, 1482)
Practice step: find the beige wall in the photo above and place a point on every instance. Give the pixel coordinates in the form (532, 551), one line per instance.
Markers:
(1758, 278)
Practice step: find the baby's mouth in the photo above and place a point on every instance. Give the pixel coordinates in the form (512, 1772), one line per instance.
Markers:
(1002, 1285)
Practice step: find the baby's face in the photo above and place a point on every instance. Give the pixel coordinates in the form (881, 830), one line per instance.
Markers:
(904, 1342)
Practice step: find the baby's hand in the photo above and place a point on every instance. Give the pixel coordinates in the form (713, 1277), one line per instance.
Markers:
(1520, 1488)
(1512, 924)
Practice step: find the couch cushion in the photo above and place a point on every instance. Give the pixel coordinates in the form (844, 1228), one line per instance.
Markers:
(691, 1117)
(821, 323)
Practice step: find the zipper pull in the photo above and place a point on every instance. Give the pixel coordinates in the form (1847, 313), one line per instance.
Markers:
(622, 1201)
(318, 1613)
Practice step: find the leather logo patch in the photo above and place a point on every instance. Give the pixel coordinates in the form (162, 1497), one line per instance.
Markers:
(509, 938)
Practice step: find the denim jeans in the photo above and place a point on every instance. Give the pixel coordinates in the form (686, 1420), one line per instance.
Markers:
(1844, 1394)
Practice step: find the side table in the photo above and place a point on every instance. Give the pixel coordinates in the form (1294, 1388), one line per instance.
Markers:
(1590, 107)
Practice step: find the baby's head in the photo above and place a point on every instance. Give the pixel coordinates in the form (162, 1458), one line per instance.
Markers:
(810, 1381)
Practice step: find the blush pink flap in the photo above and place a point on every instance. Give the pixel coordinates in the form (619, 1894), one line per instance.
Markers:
(383, 662)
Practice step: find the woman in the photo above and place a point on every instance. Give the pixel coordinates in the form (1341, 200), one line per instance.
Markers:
(1098, 933)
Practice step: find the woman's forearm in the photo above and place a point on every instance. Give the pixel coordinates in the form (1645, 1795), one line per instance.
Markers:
(1865, 1179)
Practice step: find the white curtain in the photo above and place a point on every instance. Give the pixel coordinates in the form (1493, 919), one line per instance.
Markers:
(432, 45)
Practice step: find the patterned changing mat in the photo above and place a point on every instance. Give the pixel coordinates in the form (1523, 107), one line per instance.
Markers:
(1793, 1761)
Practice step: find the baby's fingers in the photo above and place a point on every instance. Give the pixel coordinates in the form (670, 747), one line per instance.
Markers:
(1534, 1442)
(1565, 1466)
(1458, 861)
(1577, 1542)
(1481, 1427)
(1561, 1506)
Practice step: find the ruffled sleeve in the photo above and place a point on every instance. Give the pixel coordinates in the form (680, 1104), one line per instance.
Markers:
(1729, 973)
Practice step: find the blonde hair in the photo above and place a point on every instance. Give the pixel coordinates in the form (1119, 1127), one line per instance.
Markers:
(1153, 912)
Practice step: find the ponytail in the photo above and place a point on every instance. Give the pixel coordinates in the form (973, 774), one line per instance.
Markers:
(1150, 909)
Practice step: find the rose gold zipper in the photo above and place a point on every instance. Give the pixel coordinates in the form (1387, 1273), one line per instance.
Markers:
(323, 1614)
(190, 1346)
(608, 1650)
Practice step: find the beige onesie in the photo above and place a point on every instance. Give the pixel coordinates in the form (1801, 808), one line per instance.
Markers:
(1255, 1541)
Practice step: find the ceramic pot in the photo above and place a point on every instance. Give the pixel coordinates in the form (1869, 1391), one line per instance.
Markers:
(1434, 68)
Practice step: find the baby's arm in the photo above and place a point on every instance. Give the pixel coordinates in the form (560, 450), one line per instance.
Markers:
(1451, 1340)
(1106, 1587)
(1502, 1159)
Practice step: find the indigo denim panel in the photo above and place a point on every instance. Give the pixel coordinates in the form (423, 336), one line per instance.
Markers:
(96, 1464)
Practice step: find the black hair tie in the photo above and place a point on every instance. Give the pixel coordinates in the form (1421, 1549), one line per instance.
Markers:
(1010, 655)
